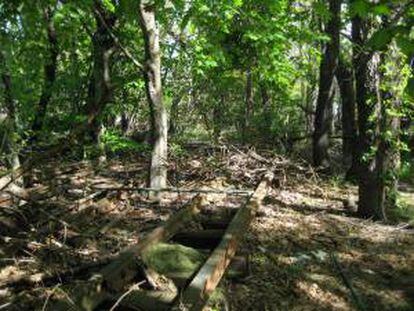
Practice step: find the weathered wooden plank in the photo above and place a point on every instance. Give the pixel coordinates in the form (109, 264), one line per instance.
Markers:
(203, 284)
(113, 277)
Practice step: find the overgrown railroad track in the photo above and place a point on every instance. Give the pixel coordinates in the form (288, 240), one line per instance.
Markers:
(126, 282)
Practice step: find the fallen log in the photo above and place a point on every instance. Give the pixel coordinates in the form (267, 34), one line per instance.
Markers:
(196, 295)
(124, 269)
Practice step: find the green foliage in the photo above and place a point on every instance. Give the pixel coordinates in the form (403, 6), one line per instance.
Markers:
(407, 172)
(115, 143)
(404, 210)
(177, 150)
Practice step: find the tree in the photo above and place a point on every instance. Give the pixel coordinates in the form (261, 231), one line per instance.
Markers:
(152, 75)
(100, 89)
(50, 68)
(9, 124)
(328, 68)
(377, 131)
(346, 82)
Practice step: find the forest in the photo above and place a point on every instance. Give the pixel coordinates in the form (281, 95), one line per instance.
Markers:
(216, 155)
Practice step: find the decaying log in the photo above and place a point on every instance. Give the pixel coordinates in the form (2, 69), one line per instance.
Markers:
(124, 269)
(203, 284)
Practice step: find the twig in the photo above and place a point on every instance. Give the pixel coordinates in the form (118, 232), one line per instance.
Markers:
(50, 295)
(133, 287)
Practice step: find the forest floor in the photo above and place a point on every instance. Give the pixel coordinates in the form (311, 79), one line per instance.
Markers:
(306, 249)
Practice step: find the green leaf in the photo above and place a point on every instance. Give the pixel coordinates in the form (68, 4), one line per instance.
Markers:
(382, 9)
(360, 8)
(406, 45)
(410, 88)
(380, 39)
(109, 5)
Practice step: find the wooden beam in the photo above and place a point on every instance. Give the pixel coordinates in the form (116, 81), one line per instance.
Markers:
(195, 296)
(113, 277)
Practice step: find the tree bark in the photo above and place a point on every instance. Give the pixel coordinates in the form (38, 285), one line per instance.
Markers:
(325, 97)
(10, 147)
(388, 155)
(50, 69)
(217, 120)
(367, 80)
(346, 81)
(249, 103)
(174, 114)
(100, 89)
(159, 114)
(266, 105)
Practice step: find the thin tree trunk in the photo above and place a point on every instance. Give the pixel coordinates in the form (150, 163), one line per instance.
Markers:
(174, 114)
(100, 89)
(9, 147)
(326, 93)
(159, 114)
(50, 68)
(249, 103)
(217, 118)
(348, 106)
(266, 105)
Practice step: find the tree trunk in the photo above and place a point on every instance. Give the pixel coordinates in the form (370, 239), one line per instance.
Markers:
(174, 114)
(50, 68)
(9, 141)
(266, 105)
(249, 103)
(345, 78)
(388, 155)
(217, 119)
(159, 114)
(368, 97)
(325, 97)
(100, 88)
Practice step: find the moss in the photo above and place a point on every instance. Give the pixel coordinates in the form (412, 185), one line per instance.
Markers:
(217, 299)
(173, 260)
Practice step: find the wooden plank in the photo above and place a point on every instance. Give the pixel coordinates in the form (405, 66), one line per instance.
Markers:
(195, 296)
(113, 277)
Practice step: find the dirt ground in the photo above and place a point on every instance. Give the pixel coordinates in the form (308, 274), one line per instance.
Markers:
(306, 250)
